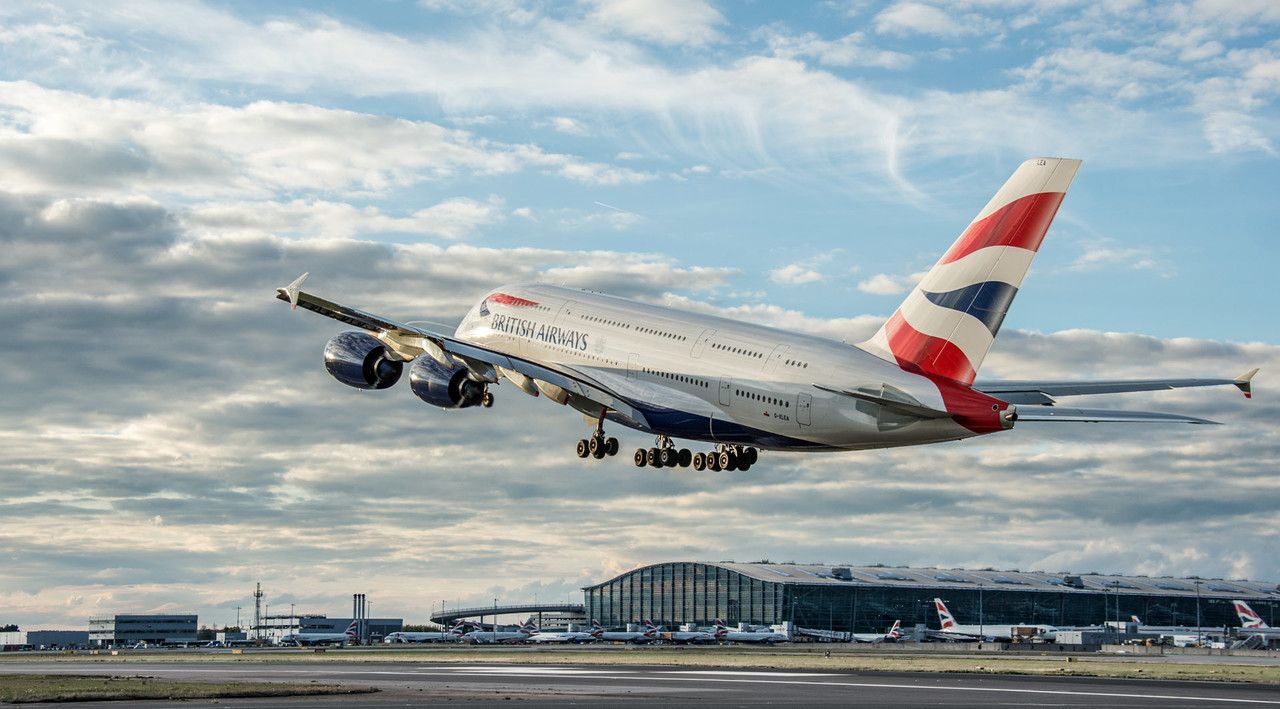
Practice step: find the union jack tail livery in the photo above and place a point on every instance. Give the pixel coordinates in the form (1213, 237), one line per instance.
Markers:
(947, 324)
(1135, 619)
(947, 620)
(1248, 618)
(352, 631)
(896, 631)
(650, 630)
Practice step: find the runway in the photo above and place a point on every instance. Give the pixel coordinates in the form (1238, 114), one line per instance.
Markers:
(480, 685)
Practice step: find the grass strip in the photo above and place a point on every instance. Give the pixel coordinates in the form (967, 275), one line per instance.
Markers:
(30, 688)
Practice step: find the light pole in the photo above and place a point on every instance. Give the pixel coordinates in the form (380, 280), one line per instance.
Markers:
(1198, 582)
(981, 630)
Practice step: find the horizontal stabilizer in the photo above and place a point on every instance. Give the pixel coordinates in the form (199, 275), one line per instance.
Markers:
(1043, 392)
(1057, 413)
(902, 407)
(1244, 382)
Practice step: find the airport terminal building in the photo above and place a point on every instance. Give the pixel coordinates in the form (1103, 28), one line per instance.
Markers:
(870, 598)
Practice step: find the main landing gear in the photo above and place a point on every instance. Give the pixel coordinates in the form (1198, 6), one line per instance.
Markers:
(725, 457)
(598, 446)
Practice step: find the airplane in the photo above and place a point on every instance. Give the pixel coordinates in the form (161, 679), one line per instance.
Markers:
(725, 634)
(743, 387)
(1252, 624)
(693, 635)
(648, 635)
(453, 634)
(495, 636)
(348, 637)
(568, 636)
(894, 634)
(985, 631)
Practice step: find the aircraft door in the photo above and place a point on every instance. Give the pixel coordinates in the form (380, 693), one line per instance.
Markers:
(726, 391)
(803, 403)
(702, 342)
(779, 353)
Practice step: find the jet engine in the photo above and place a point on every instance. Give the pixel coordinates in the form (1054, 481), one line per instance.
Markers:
(446, 387)
(359, 360)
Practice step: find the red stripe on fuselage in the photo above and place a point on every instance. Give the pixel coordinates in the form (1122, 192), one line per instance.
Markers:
(505, 299)
(1022, 223)
(930, 354)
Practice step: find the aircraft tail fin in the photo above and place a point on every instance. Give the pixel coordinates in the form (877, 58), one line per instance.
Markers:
(896, 631)
(1248, 617)
(945, 618)
(949, 321)
(1135, 619)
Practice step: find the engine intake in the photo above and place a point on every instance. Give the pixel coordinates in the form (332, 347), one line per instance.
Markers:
(446, 387)
(359, 360)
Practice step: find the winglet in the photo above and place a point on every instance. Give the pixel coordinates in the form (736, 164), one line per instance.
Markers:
(291, 291)
(1244, 382)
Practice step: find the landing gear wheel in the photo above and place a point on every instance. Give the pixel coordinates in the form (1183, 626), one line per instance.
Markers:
(752, 456)
(668, 457)
(652, 458)
(641, 458)
(600, 453)
(584, 448)
(594, 446)
(744, 466)
(713, 462)
(487, 400)
(685, 457)
(699, 461)
(724, 461)
(611, 446)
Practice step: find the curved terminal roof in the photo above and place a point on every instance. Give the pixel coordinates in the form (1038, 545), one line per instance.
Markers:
(922, 577)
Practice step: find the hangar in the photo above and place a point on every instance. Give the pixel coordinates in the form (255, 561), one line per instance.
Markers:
(870, 598)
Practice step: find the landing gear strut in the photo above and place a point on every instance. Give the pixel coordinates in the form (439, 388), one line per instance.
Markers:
(598, 446)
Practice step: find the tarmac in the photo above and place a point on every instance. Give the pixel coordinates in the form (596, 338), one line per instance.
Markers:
(420, 683)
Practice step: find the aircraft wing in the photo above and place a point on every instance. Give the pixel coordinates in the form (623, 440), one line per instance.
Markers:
(1043, 392)
(409, 341)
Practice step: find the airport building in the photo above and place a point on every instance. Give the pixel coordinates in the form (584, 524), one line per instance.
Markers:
(868, 599)
(152, 629)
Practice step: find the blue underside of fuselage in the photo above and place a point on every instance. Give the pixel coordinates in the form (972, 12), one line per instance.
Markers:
(683, 424)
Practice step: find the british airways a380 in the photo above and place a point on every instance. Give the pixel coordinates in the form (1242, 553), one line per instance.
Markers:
(743, 388)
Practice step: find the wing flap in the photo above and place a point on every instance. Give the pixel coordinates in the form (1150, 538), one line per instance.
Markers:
(1057, 413)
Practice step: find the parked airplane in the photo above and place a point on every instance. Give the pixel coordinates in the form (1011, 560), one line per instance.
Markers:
(986, 631)
(453, 634)
(1252, 624)
(495, 636)
(349, 637)
(693, 636)
(648, 635)
(567, 636)
(724, 634)
(743, 387)
(894, 634)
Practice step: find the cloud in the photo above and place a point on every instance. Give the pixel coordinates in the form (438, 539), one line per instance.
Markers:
(794, 274)
(668, 22)
(1100, 255)
(888, 284)
(568, 126)
(451, 219)
(52, 140)
(849, 50)
(905, 18)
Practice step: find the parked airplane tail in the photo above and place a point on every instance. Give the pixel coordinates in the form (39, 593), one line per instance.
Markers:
(947, 620)
(352, 631)
(948, 322)
(896, 631)
(1135, 619)
(650, 630)
(1248, 617)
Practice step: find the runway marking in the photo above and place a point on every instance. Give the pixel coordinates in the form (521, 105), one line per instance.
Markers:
(527, 671)
(737, 673)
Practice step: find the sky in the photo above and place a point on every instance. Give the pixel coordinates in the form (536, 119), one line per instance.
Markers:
(170, 436)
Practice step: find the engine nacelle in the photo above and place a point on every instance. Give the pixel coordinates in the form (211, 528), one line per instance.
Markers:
(446, 387)
(359, 360)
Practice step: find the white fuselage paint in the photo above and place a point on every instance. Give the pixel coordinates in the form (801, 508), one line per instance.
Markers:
(710, 378)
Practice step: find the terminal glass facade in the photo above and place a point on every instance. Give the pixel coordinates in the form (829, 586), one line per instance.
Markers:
(679, 593)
